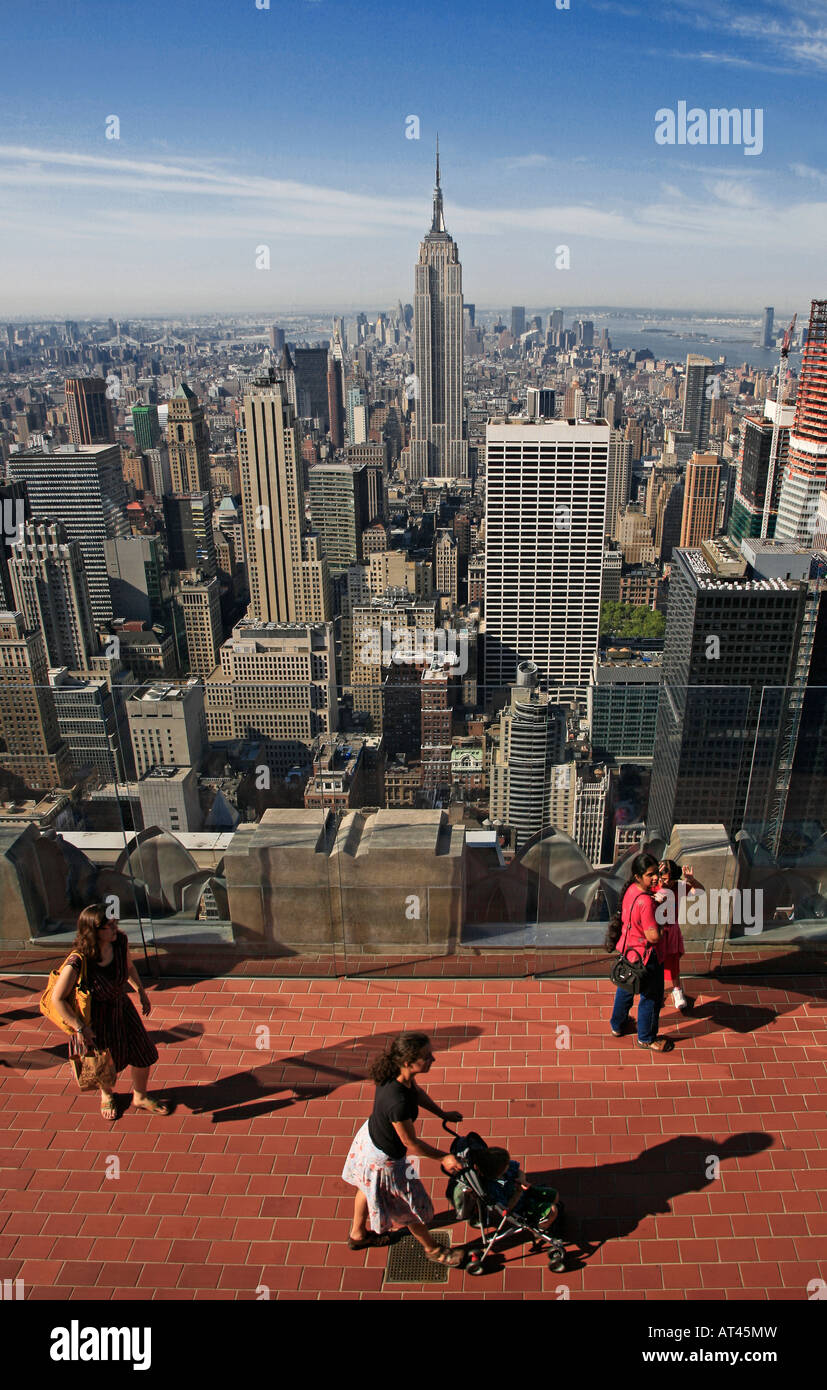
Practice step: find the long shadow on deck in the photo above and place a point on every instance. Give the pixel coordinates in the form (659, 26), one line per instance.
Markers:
(306, 1076)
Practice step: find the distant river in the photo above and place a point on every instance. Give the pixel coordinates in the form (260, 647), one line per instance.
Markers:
(733, 343)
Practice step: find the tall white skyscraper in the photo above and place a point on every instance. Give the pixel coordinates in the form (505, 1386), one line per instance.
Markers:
(287, 582)
(437, 448)
(544, 522)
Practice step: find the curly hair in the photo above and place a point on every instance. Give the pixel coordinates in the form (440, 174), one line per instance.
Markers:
(91, 919)
(400, 1051)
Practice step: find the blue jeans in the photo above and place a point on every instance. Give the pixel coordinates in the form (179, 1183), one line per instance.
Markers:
(648, 1013)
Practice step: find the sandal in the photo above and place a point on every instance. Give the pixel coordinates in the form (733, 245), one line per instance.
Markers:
(109, 1109)
(658, 1045)
(155, 1107)
(386, 1238)
(450, 1257)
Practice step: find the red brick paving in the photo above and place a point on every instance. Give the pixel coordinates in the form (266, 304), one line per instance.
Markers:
(240, 1188)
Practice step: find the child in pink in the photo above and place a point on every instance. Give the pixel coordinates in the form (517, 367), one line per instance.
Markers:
(667, 895)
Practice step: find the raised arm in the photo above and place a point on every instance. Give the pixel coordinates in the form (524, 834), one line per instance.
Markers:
(691, 881)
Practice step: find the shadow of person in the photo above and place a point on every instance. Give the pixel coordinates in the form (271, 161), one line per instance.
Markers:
(181, 1032)
(36, 1058)
(608, 1202)
(306, 1076)
(44, 1058)
(716, 1014)
(17, 1016)
(803, 965)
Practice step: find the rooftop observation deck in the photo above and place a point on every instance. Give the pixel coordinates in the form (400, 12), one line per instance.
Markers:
(240, 1186)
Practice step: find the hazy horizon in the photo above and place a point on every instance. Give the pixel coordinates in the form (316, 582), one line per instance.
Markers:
(151, 181)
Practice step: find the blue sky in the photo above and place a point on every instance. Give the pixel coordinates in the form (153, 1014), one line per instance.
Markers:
(285, 127)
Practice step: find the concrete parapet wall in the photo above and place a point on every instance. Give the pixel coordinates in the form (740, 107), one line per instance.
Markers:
(394, 880)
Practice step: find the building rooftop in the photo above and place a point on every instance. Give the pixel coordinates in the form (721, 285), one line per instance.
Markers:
(241, 1186)
(160, 690)
(165, 772)
(706, 578)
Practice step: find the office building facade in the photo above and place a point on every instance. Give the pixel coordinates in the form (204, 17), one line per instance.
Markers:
(697, 401)
(48, 582)
(90, 411)
(729, 652)
(31, 747)
(288, 579)
(188, 443)
(167, 725)
(532, 786)
(746, 517)
(276, 686)
(84, 489)
(544, 528)
(700, 500)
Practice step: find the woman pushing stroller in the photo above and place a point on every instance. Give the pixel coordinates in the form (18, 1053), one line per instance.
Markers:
(383, 1158)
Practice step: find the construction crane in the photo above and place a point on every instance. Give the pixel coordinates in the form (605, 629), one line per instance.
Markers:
(776, 426)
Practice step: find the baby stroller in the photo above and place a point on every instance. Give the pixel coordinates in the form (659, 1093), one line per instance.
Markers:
(467, 1192)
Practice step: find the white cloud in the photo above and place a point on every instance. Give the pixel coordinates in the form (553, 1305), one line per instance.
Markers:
(806, 171)
(737, 195)
(239, 205)
(167, 223)
(798, 33)
(528, 161)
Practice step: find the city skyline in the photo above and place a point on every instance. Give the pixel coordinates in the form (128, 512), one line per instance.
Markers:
(168, 215)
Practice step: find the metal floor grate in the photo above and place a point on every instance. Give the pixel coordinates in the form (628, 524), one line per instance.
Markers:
(407, 1263)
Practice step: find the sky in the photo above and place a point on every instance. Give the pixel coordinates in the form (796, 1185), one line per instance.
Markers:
(242, 127)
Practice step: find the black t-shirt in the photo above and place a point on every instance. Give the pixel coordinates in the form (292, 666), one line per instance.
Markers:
(393, 1102)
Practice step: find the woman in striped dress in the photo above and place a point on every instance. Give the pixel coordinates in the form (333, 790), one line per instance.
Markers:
(115, 1022)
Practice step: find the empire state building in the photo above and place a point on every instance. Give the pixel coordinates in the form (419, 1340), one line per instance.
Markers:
(437, 448)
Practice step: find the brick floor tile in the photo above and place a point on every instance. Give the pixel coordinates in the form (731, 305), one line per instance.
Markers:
(81, 1272)
(266, 1190)
(197, 1276)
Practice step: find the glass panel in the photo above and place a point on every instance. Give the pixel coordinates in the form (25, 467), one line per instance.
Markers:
(499, 845)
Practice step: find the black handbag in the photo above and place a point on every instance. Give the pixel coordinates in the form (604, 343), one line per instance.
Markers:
(628, 974)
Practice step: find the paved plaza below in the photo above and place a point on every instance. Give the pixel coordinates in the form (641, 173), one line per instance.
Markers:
(238, 1195)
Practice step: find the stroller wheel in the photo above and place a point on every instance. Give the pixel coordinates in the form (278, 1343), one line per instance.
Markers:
(556, 1264)
(475, 1267)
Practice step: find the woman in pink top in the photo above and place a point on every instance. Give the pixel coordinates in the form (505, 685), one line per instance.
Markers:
(641, 939)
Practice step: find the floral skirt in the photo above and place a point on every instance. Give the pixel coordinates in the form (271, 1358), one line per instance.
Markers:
(395, 1196)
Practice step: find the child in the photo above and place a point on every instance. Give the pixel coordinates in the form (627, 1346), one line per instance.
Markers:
(506, 1186)
(667, 894)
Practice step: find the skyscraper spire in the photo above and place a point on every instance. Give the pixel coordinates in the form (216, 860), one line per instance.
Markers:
(438, 448)
(438, 221)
